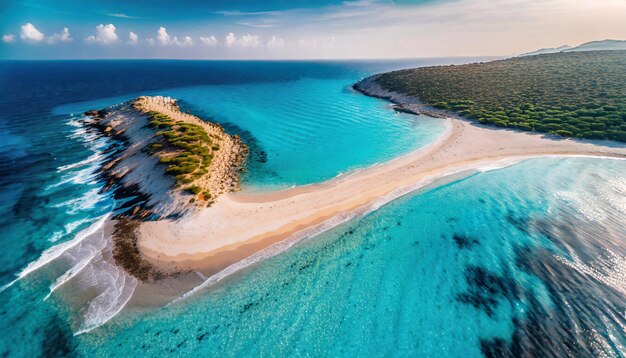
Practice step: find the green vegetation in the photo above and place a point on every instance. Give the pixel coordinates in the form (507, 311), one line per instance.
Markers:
(190, 149)
(576, 94)
(195, 190)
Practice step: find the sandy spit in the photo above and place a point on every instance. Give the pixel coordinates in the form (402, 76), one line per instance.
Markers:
(239, 225)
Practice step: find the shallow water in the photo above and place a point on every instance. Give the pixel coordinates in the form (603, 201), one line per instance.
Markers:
(473, 266)
(303, 131)
(49, 190)
(527, 259)
(310, 130)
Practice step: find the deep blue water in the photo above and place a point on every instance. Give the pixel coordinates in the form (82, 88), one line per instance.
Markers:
(524, 259)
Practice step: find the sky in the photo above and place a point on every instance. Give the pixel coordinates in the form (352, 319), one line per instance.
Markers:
(300, 29)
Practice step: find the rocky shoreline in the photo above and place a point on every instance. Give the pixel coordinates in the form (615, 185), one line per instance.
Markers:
(139, 179)
(401, 103)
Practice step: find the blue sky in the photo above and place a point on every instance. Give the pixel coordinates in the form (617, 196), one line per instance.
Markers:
(300, 29)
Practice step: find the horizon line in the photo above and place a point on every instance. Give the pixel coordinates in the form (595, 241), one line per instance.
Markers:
(255, 59)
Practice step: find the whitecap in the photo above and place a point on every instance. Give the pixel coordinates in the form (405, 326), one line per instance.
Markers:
(87, 201)
(56, 251)
(92, 158)
(115, 290)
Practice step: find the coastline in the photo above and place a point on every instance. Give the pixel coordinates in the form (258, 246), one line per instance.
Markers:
(241, 225)
(179, 248)
(139, 175)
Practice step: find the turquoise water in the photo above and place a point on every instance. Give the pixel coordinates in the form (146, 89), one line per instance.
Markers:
(500, 263)
(300, 132)
(478, 263)
(50, 190)
(310, 130)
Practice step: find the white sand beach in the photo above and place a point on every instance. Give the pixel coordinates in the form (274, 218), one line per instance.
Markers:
(238, 224)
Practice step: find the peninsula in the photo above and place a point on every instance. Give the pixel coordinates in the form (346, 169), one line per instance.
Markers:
(181, 161)
(570, 94)
(239, 226)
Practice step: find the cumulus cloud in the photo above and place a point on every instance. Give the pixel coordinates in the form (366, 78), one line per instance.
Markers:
(230, 40)
(162, 36)
(8, 38)
(30, 33)
(165, 39)
(185, 41)
(249, 41)
(244, 41)
(275, 42)
(64, 36)
(105, 34)
(132, 38)
(209, 41)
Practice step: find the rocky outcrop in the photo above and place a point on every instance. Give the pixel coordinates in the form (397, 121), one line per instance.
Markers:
(401, 103)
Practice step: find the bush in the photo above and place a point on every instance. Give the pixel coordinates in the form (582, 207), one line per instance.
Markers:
(195, 190)
(563, 133)
(193, 145)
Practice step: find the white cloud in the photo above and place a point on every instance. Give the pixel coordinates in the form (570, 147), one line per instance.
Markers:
(8, 38)
(230, 39)
(30, 33)
(132, 38)
(275, 42)
(244, 41)
(209, 41)
(64, 36)
(249, 41)
(186, 41)
(455, 28)
(249, 13)
(164, 38)
(123, 16)
(150, 41)
(105, 34)
(263, 23)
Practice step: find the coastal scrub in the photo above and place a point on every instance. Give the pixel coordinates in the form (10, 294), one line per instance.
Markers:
(203, 160)
(574, 94)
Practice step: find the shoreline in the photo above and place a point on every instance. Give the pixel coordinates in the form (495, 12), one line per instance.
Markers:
(181, 251)
(251, 223)
(216, 261)
(249, 256)
(138, 172)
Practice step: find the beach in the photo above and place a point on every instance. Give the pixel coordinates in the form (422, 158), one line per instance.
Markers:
(352, 214)
(239, 225)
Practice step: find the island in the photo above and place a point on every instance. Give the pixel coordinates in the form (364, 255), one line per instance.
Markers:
(172, 163)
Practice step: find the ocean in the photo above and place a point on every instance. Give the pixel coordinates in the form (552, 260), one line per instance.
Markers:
(528, 258)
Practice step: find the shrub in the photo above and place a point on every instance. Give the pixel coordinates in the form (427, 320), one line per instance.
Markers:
(563, 133)
(195, 190)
